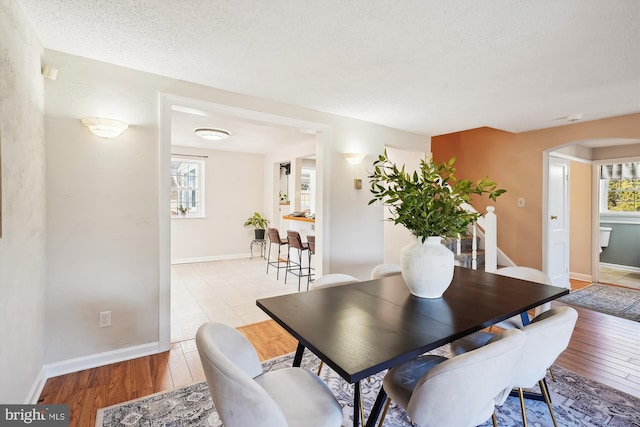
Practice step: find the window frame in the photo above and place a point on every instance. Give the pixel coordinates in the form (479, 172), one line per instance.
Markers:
(200, 188)
(604, 200)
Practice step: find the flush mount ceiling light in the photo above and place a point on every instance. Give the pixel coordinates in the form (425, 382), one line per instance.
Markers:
(354, 158)
(105, 128)
(574, 117)
(212, 134)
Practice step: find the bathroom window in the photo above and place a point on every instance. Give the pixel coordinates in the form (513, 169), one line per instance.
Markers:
(622, 195)
(187, 188)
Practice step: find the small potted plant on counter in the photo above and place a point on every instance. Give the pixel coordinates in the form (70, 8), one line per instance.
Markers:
(259, 223)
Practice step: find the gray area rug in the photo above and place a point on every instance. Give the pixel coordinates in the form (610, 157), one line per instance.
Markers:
(614, 300)
(577, 401)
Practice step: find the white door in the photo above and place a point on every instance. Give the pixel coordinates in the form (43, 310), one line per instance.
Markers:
(557, 254)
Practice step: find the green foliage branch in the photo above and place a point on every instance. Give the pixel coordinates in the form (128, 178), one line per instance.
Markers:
(428, 202)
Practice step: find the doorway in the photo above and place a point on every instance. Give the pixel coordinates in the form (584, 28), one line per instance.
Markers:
(618, 187)
(269, 194)
(584, 219)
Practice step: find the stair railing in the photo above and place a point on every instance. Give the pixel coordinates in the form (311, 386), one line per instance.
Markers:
(489, 229)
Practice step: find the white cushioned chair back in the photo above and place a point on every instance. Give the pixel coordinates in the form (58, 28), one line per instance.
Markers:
(230, 364)
(335, 279)
(460, 392)
(384, 270)
(548, 335)
(525, 273)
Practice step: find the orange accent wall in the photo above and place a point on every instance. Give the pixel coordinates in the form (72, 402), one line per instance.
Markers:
(514, 161)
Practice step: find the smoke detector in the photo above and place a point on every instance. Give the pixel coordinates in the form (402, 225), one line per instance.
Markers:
(574, 117)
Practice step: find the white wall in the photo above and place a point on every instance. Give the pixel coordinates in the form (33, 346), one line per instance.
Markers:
(233, 192)
(22, 246)
(102, 239)
(105, 256)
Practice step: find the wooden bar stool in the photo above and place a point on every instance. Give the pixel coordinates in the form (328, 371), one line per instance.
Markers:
(295, 268)
(274, 238)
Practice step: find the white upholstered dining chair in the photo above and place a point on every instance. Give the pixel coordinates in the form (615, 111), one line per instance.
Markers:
(334, 279)
(457, 392)
(524, 273)
(547, 336)
(244, 395)
(384, 270)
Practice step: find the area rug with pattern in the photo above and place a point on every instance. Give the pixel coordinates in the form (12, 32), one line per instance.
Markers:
(613, 300)
(577, 401)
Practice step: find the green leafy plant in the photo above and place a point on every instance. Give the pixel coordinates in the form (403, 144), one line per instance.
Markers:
(257, 221)
(428, 202)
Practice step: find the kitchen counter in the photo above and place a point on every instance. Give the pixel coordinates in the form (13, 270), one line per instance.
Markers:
(299, 218)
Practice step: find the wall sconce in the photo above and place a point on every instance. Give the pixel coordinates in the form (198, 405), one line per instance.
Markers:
(354, 158)
(105, 128)
(49, 72)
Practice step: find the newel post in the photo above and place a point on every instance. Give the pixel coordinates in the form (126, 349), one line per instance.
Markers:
(491, 240)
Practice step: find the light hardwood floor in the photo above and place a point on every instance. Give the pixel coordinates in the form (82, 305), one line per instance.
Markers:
(603, 347)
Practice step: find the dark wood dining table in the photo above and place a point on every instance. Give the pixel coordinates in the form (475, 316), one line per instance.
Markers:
(363, 328)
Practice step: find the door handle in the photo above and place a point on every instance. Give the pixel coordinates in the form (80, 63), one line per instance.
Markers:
(554, 217)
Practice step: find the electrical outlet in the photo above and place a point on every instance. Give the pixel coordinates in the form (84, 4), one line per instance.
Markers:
(105, 319)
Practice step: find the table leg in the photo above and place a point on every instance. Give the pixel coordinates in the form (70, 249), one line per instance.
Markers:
(356, 404)
(297, 359)
(375, 411)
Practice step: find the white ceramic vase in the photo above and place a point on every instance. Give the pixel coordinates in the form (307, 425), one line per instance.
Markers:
(427, 268)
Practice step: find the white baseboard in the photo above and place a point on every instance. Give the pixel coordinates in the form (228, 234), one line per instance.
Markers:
(210, 258)
(100, 359)
(621, 267)
(581, 277)
(36, 388)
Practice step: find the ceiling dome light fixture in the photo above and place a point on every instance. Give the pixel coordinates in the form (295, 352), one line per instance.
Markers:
(105, 128)
(212, 134)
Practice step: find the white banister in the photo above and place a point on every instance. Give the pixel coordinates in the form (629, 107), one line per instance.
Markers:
(474, 248)
(490, 240)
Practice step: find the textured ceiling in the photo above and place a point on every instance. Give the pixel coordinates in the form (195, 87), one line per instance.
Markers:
(427, 66)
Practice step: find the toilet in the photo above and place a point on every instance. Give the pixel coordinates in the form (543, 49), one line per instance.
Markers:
(605, 234)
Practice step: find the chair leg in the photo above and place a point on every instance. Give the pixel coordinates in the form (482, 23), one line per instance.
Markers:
(384, 413)
(524, 414)
(286, 270)
(553, 377)
(299, 268)
(320, 367)
(309, 276)
(494, 419)
(361, 406)
(278, 264)
(547, 399)
(268, 257)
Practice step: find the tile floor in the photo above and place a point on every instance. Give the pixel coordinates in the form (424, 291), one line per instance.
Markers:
(614, 276)
(225, 291)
